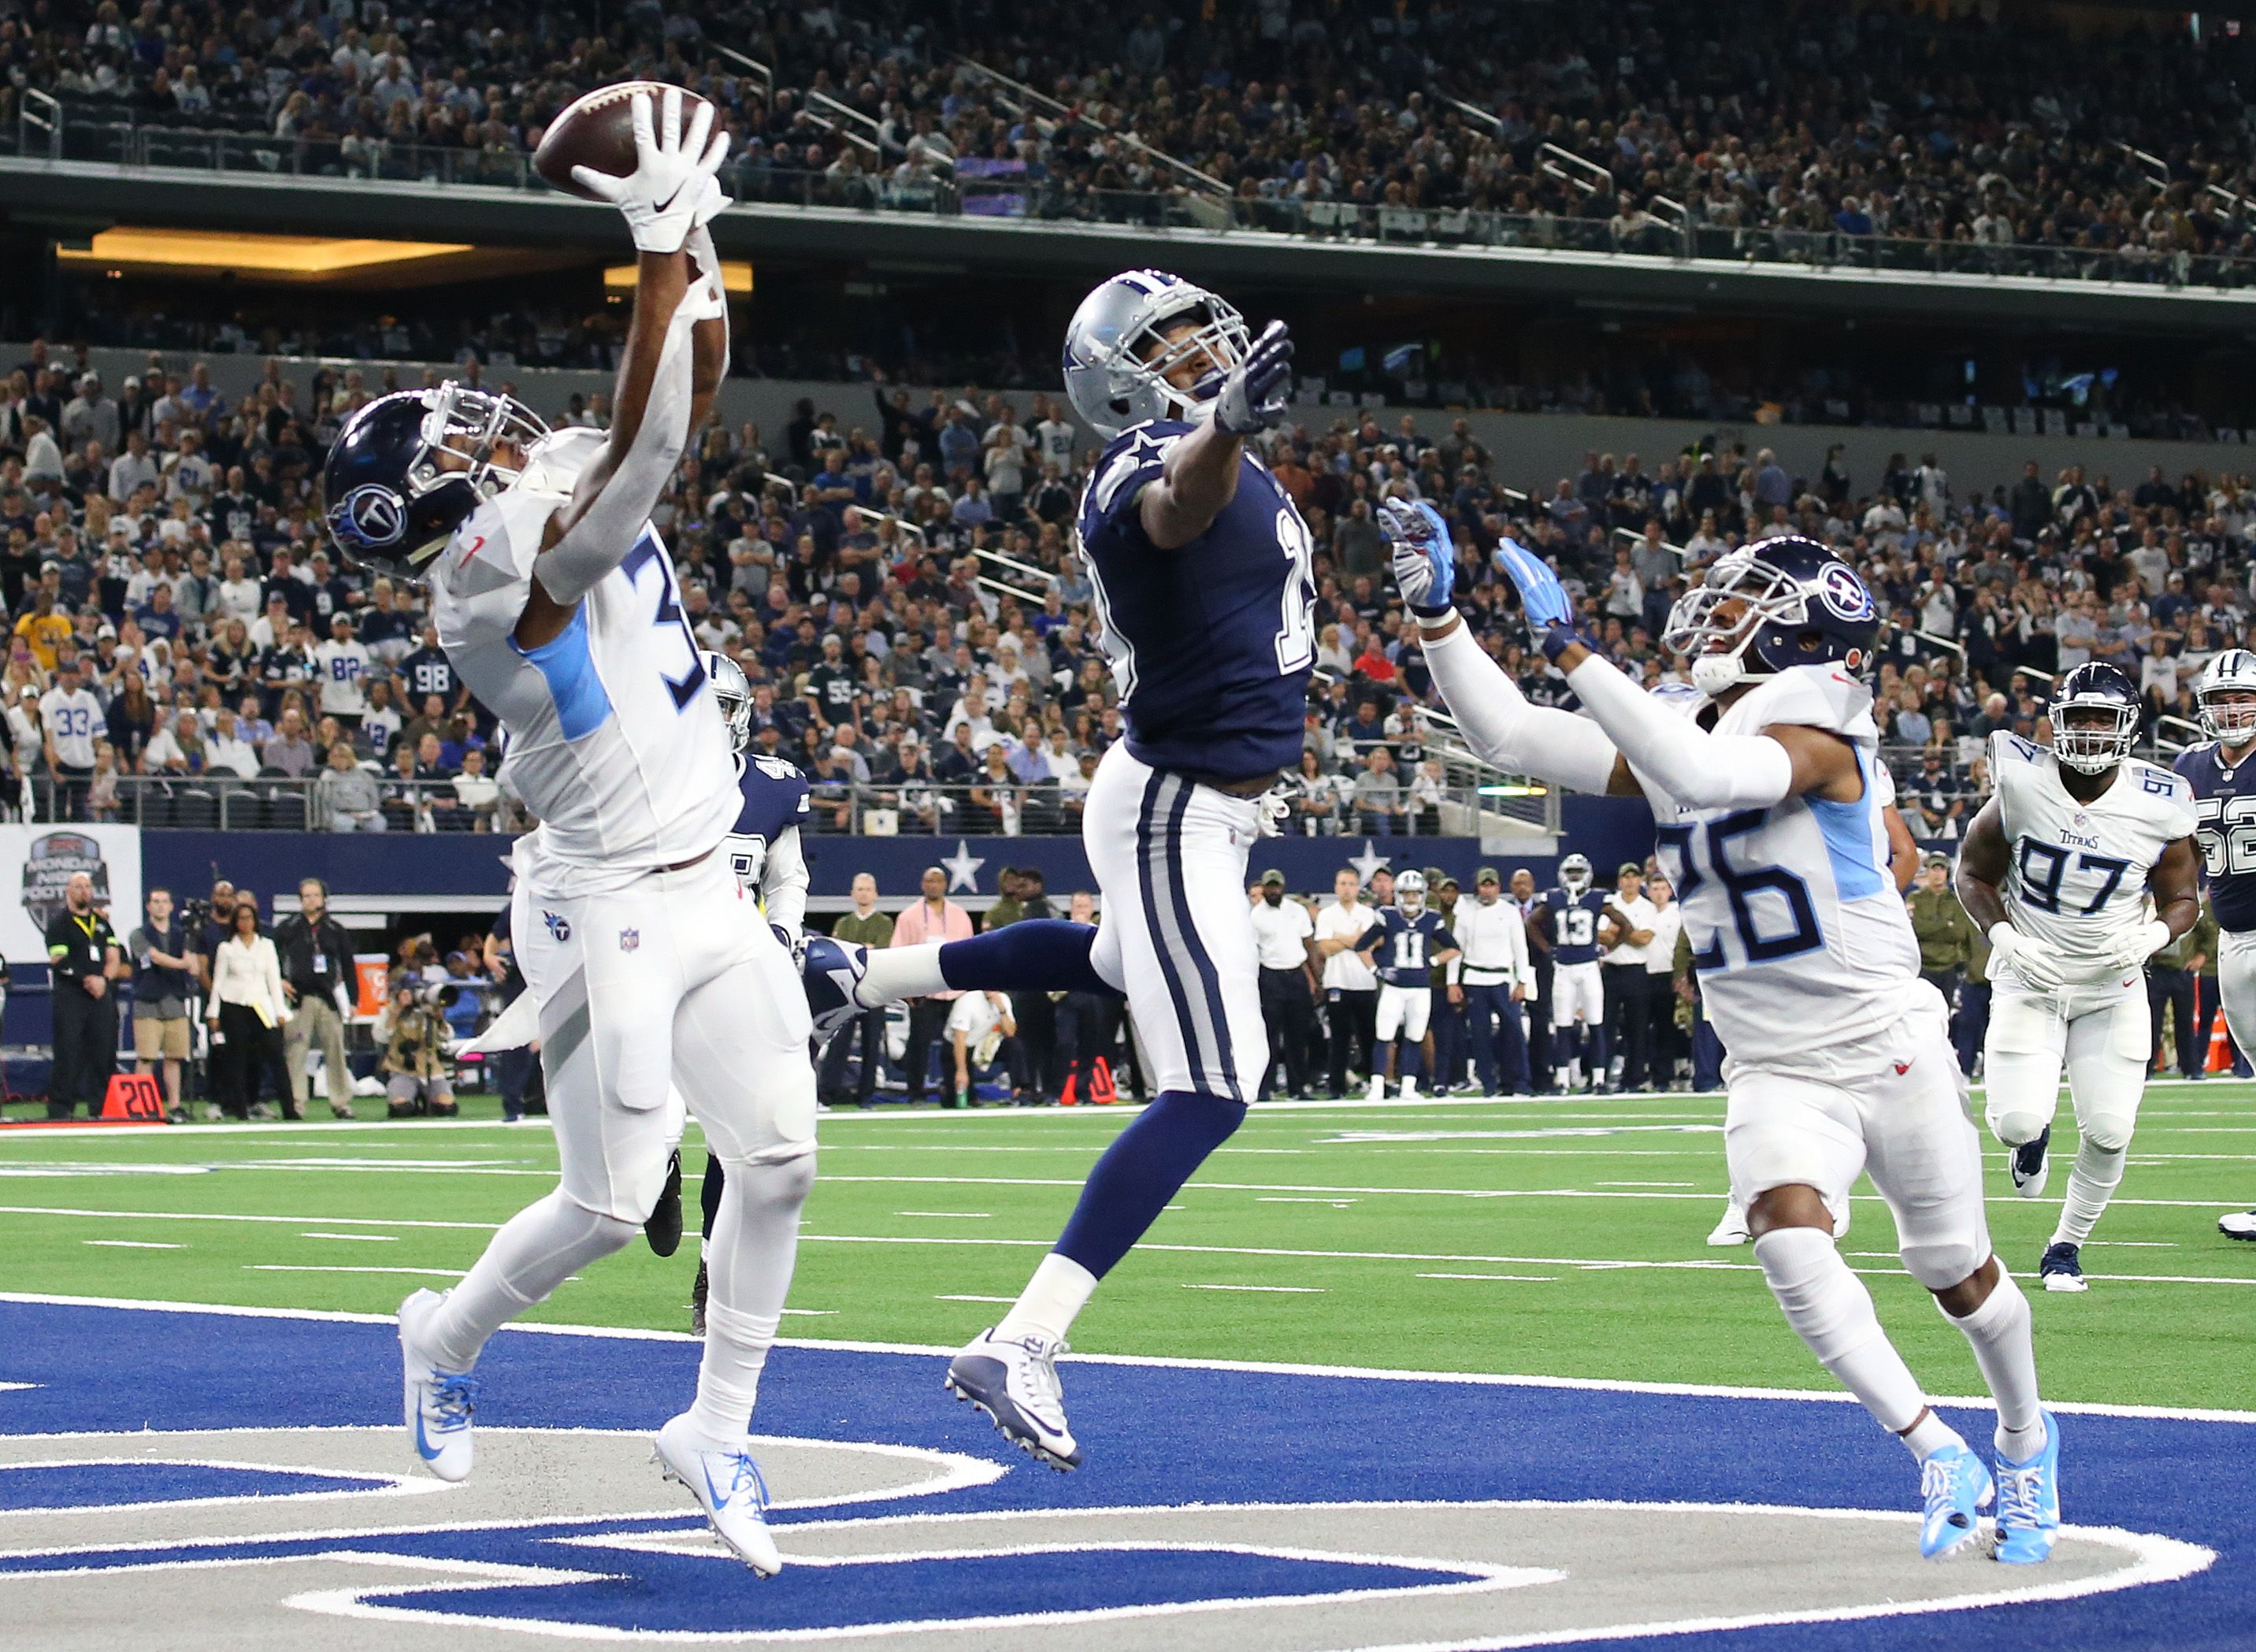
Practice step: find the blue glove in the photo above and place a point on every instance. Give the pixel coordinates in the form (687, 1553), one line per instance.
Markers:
(1550, 613)
(1253, 395)
(1425, 562)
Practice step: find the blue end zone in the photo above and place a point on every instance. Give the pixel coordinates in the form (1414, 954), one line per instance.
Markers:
(666, 1592)
(106, 1484)
(1161, 1436)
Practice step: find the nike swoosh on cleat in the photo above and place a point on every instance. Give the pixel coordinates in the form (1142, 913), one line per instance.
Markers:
(718, 1500)
(429, 1452)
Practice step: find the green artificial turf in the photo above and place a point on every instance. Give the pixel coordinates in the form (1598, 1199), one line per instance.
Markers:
(1353, 1219)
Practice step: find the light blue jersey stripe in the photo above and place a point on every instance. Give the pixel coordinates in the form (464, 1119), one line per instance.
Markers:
(1849, 839)
(569, 671)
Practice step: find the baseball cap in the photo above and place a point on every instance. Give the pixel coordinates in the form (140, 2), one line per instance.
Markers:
(1448, 882)
(1487, 874)
(1273, 877)
(1629, 869)
(1934, 858)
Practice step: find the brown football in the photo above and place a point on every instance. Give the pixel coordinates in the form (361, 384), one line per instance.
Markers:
(597, 130)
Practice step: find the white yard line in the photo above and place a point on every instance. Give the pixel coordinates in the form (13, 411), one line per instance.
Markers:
(1276, 1290)
(356, 1239)
(136, 1245)
(308, 1267)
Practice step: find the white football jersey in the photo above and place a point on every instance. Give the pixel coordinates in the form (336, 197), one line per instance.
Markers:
(1797, 930)
(2075, 873)
(615, 741)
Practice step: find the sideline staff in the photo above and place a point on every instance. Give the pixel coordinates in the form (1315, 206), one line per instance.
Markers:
(82, 960)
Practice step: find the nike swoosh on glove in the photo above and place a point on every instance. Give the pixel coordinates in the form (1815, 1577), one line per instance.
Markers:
(1425, 561)
(662, 197)
(1252, 398)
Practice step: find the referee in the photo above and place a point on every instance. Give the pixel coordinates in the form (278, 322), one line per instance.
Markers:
(82, 960)
(1282, 934)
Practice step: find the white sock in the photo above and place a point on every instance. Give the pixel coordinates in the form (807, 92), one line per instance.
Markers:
(1999, 1331)
(537, 1250)
(2091, 1182)
(755, 1243)
(899, 972)
(1058, 1290)
(1831, 1311)
(1930, 1435)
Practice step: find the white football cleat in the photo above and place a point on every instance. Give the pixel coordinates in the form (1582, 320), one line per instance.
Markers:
(727, 1485)
(2240, 1224)
(1378, 1092)
(438, 1402)
(1015, 1381)
(1409, 1090)
(1732, 1230)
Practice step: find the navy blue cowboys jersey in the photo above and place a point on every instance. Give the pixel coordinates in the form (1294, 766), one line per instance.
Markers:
(1210, 644)
(775, 801)
(1575, 925)
(2224, 804)
(1403, 946)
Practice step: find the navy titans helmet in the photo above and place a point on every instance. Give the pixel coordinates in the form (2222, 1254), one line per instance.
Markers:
(2093, 712)
(408, 468)
(1800, 605)
(1117, 354)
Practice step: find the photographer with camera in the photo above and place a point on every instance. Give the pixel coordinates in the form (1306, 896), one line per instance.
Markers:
(413, 1031)
(317, 972)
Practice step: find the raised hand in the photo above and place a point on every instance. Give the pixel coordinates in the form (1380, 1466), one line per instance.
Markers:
(672, 189)
(1252, 398)
(1425, 562)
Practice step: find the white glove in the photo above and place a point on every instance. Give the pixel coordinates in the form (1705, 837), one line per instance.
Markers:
(2140, 944)
(672, 179)
(2036, 963)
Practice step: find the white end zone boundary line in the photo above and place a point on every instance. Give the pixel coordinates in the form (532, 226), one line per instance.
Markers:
(1256, 1367)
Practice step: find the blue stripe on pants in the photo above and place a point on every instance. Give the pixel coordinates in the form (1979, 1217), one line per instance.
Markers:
(1148, 850)
(1210, 977)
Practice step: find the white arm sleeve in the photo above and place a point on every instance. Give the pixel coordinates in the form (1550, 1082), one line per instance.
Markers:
(783, 884)
(703, 258)
(1503, 727)
(1693, 766)
(609, 528)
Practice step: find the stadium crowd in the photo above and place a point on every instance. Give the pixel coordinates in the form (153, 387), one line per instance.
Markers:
(895, 574)
(1891, 120)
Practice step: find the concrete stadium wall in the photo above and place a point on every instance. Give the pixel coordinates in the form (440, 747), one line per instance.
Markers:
(1533, 450)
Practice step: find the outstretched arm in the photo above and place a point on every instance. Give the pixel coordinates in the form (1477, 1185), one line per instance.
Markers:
(665, 200)
(1199, 477)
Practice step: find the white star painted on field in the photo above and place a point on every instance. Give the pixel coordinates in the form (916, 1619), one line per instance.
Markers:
(1368, 862)
(963, 868)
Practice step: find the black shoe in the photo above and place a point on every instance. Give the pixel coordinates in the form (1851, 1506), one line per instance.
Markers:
(2062, 1267)
(663, 1226)
(697, 1302)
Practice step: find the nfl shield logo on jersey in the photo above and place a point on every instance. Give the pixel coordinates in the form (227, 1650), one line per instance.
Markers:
(629, 939)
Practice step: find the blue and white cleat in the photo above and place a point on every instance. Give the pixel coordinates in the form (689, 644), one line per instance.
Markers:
(439, 1402)
(1015, 1381)
(2028, 1502)
(727, 1485)
(2028, 1166)
(2062, 1267)
(832, 973)
(1956, 1488)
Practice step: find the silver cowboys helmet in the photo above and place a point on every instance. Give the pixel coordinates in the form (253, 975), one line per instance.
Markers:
(733, 691)
(2224, 698)
(1410, 892)
(1117, 355)
(1575, 874)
